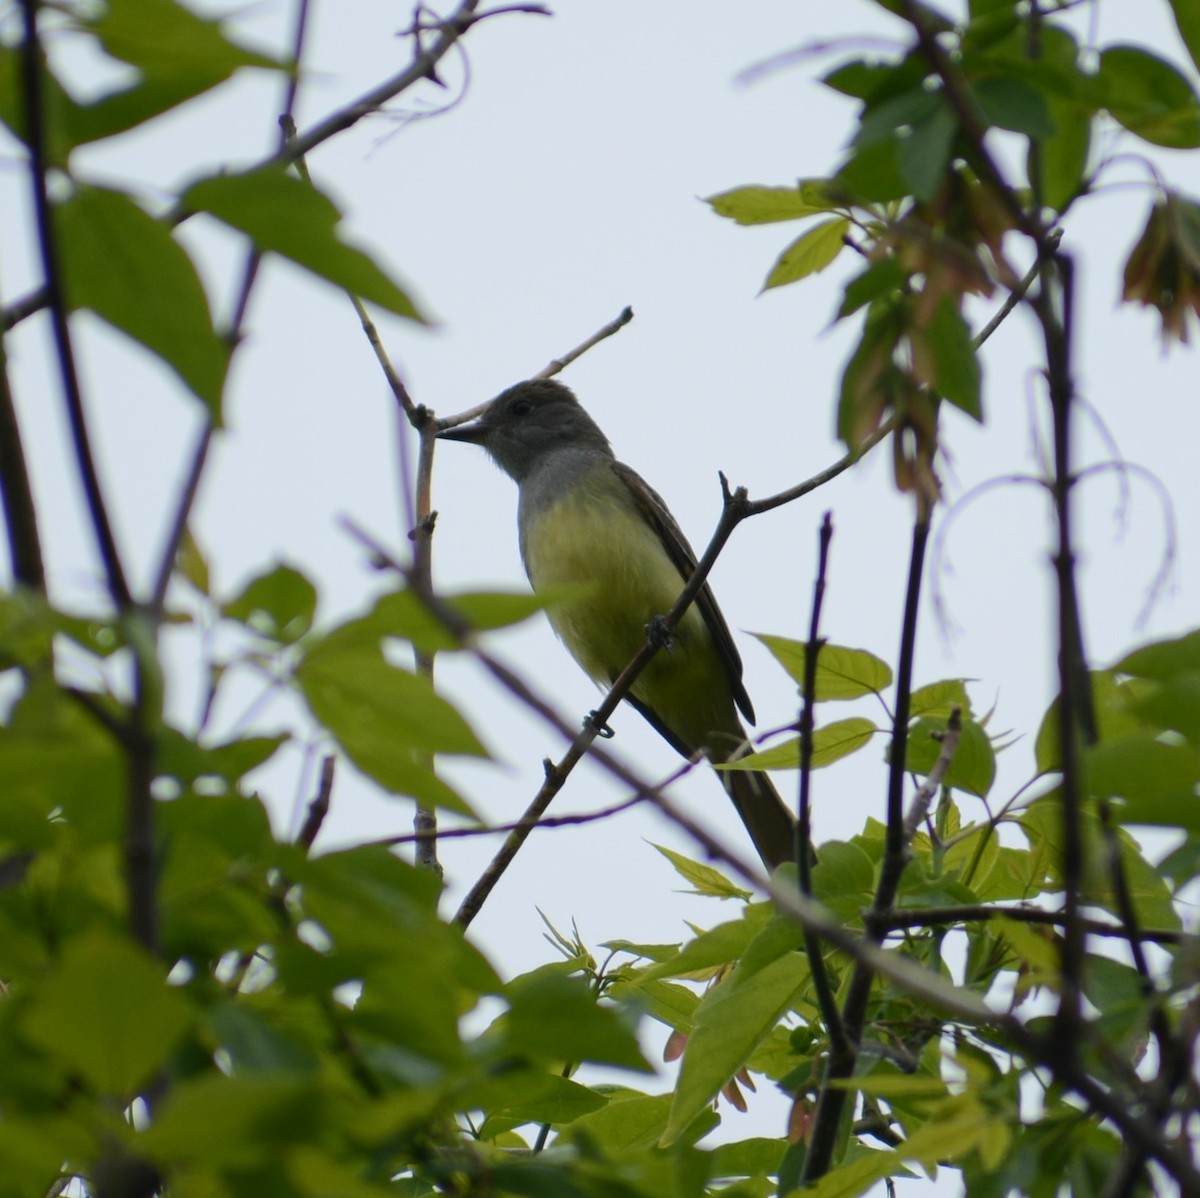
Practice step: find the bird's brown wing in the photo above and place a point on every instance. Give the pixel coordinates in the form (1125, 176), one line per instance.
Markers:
(656, 514)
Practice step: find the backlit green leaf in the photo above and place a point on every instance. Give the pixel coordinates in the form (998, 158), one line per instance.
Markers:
(125, 266)
(810, 253)
(764, 205)
(842, 673)
(283, 214)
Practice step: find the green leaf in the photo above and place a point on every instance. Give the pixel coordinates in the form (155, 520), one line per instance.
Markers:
(939, 697)
(1157, 781)
(704, 878)
(386, 719)
(765, 205)
(283, 214)
(926, 151)
(731, 1021)
(402, 614)
(973, 766)
(1149, 97)
(556, 1018)
(842, 673)
(872, 175)
(1174, 704)
(1163, 659)
(278, 604)
(906, 110)
(107, 1013)
(830, 743)
(630, 1122)
(215, 1120)
(254, 1046)
(1115, 704)
(880, 278)
(181, 758)
(55, 758)
(178, 55)
(1187, 21)
(856, 1175)
(956, 366)
(713, 948)
(545, 1098)
(809, 254)
(1015, 105)
(125, 266)
(747, 1158)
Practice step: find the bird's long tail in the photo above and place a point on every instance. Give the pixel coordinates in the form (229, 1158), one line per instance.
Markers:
(768, 819)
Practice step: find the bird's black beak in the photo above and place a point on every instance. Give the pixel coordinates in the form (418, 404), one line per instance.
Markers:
(475, 433)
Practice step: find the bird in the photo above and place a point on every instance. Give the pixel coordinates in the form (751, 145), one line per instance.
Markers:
(588, 522)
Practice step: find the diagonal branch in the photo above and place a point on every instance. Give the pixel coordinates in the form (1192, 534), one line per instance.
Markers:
(56, 300)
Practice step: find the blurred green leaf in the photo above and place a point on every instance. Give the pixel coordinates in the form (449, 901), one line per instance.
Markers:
(279, 603)
(880, 278)
(1156, 781)
(542, 1098)
(956, 372)
(256, 1047)
(215, 1120)
(285, 215)
(386, 719)
(556, 1018)
(1173, 704)
(1115, 704)
(1187, 21)
(177, 54)
(810, 253)
(183, 759)
(1149, 97)
(842, 673)
(925, 152)
(122, 264)
(108, 1013)
(1012, 104)
(1161, 660)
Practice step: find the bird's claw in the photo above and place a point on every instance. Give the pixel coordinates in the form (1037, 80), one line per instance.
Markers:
(593, 721)
(659, 634)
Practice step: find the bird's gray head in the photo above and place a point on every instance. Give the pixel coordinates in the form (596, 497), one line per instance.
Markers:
(524, 424)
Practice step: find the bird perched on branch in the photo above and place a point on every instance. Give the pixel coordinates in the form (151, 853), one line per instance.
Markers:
(588, 521)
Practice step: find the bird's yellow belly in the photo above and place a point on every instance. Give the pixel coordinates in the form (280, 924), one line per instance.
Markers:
(619, 559)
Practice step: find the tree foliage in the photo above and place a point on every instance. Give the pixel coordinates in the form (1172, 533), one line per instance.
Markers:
(196, 1006)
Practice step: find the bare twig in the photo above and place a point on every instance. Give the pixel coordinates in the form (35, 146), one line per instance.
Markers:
(423, 66)
(56, 300)
(932, 917)
(16, 494)
(832, 1100)
(918, 808)
(233, 337)
(812, 944)
(538, 823)
(553, 367)
(318, 808)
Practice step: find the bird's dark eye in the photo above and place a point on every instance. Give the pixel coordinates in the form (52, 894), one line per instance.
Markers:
(521, 407)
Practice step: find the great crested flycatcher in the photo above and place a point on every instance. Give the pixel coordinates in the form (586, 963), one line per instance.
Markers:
(586, 518)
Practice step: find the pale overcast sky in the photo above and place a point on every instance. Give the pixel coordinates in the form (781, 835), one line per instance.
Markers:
(564, 186)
